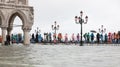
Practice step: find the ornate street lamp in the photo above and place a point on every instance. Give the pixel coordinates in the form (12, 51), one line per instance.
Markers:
(37, 30)
(102, 29)
(80, 21)
(55, 27)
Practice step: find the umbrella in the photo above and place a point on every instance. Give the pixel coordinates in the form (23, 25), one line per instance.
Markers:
(93, 31)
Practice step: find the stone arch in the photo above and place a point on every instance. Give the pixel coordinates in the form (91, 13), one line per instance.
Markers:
(18, 13)
(8, 12)
(25, 25)
(2, 18)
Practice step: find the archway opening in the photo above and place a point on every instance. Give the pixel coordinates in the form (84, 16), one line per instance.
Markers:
(15, 28)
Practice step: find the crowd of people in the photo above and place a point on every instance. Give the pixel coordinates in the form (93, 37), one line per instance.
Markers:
(113, 38)
(107, 38)
(14, 38)
(90, 37)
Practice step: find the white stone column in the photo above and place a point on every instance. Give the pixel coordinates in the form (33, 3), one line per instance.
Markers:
(26, 2)
(26, 36)
(4, 29)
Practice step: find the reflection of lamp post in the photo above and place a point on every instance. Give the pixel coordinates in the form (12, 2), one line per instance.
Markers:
(80, 21)
(37, 30)
(55, 27)
(102, 30)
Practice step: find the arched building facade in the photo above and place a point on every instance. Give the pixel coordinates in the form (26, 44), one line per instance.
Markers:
(9, 9)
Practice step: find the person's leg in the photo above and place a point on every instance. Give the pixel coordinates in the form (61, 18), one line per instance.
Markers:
(9, 42)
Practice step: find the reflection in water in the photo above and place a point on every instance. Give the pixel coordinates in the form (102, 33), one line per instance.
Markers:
(18, 55)
(36, 55)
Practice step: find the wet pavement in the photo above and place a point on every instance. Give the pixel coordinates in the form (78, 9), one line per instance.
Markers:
(36, 55)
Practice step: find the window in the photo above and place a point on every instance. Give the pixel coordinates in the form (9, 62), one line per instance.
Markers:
(10, 1)
(22, 2)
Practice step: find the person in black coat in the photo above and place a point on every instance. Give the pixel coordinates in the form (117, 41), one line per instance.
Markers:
(8, 40)
(98, 37)
(33, 36)
(37, 38)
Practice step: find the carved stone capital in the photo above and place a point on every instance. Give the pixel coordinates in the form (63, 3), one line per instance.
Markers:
(4, 28)
(9, 28)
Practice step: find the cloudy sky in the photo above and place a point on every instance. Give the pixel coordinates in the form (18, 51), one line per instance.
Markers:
(100, 12)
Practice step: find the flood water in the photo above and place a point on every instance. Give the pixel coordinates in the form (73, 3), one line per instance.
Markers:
(36, 55)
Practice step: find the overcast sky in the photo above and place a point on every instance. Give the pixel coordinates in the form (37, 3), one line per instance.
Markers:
(100, 12)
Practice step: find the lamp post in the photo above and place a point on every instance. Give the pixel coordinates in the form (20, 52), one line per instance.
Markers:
(37, 30)
(55, 27)
(102, 29)
(79, 20)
